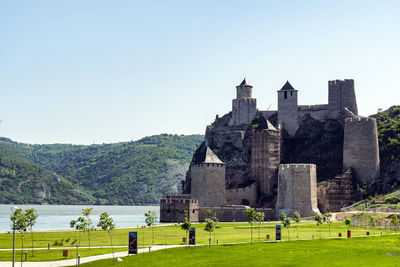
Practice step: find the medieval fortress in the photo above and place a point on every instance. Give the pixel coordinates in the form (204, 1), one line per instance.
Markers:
(241, 162)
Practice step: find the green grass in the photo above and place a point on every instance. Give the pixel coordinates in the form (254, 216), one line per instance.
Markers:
(55, 254)
(370, 251)
(228, 232)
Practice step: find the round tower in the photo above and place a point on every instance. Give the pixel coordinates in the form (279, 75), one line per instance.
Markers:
(361, 148)
(288, 109)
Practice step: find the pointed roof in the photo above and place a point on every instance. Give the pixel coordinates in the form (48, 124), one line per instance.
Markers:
(244, 83)
(287, 86)
(270, 126)
(205, 155)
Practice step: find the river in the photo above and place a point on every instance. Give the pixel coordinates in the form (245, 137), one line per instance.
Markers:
(57, 217)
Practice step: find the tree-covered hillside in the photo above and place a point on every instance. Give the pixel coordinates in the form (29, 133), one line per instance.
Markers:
(125, 173)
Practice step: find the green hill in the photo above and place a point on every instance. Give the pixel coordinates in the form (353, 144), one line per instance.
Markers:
(126, 173)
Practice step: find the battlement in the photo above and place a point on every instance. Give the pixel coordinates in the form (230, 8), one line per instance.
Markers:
(207, 164)
(176, 196)
(339, 81)
(361, 120)
(178, 200)
(297, 166)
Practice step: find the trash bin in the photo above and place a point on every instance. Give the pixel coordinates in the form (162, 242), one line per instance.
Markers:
(348, 233)
(367, 233)
(268, 236)
(184, 239)
(65, 253)
(340, 234)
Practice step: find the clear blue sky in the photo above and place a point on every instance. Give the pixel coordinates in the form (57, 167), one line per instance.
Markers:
(108, 71)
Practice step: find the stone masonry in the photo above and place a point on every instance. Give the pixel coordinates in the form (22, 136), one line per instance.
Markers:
(297, 189)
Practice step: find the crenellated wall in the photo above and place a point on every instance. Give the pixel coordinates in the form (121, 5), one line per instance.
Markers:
(172, 208)
(361, 148)
(242, 196)
(342, 95)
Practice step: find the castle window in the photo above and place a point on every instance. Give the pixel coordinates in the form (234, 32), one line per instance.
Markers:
(285, 95)
(291, 93)
(193, 211)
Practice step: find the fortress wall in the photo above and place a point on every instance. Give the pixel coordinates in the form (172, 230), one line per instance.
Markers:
(233, 213)
(297, 189)
(318, 112)
(361, 148)
(242, 196)
(265, 159)
(243, 110)
(208, 183)
(173, 209)
(288, 111)
(342, 95)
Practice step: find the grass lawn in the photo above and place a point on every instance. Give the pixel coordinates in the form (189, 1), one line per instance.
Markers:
(370, 251)
(55, 254)
(227, 232)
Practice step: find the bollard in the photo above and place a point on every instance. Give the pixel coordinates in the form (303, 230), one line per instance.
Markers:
(48, 245)
(26, 255)
(149, 248)
(217, 241)
(79, 259)
(340, 234)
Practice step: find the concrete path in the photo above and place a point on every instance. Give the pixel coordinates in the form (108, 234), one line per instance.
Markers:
(83, 260)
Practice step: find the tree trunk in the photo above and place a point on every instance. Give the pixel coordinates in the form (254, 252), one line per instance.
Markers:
(251, 233)
(112, 248)
(297, 231)
(32, 240)
(22, 246)
(89, 238)
(288, 233)
(329, 229)
(152, 232)
(259, 231)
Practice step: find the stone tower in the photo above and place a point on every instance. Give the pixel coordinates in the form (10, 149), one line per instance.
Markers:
(341, 96)
(297, 189)
(265, 158)
(361, 148)
(244, 107)
(288, 109)
(207, 173)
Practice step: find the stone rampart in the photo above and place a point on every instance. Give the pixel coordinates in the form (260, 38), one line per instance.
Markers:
(341, 95)
(242, 196)
(318, 112)
(233, 213)
(297, 189)
(173, 209)
(361, 148)
(243, 110)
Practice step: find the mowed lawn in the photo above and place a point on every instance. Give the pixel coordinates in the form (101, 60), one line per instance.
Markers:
(361, 251)
(225, 233)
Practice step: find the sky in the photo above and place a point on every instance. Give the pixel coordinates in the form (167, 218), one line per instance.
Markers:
(84, 72)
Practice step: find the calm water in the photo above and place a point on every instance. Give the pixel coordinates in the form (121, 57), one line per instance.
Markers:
(55, 217)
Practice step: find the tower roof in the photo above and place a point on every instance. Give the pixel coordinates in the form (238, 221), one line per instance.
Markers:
(244, 83)
(287, 86)
(205, 155)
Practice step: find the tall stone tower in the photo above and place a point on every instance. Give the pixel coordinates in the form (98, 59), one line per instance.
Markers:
(361, 148)
(288, 109)
(341, 96)
(244, 107)
(265, 158)
(207, 173)
(297, 189)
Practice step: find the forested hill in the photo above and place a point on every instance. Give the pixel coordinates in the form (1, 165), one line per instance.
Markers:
(126, 173)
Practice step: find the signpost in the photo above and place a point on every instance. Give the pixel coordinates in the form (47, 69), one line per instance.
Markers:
(278, 232)
(192, 236)
(133, 242)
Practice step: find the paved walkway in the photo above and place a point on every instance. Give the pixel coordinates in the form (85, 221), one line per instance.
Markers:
(83, 260)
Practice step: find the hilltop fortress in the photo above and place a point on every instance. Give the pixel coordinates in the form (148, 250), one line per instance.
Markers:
(273, 160)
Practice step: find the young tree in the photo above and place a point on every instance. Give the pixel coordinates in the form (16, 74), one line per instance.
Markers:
(297, 219)
(151, 217)
(210, 226)
(286, 223)
(19, 224)
(186, 225)
(318, 218)
(31, 216)
(251, 216)
(215, 220)
(86, 213)
(72, 224)
(347, 222)
(328, 219)
(394, 221)
(260, 216)
(80, 225)
(372, 222)
(107, 223)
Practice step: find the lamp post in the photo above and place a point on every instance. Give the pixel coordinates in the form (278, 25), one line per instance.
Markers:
(13, 209)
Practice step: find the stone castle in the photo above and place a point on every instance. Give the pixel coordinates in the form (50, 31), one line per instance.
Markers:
(243, 161)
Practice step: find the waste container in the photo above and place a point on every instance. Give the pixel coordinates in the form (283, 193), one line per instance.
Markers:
(348, 233)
